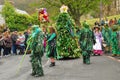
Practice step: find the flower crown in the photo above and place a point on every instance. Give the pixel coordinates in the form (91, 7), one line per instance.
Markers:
(64, 9)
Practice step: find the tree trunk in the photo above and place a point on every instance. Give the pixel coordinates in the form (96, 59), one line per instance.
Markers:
(75, 14)
(77, 21)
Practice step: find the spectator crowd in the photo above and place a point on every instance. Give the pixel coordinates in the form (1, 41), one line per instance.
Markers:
(13, 43)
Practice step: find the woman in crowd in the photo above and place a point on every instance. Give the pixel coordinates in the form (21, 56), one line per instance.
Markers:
(51, 46)
(98, 45)
(21, 43)
(1, 44)
(7, 43)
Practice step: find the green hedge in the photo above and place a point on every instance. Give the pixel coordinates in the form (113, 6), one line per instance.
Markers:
(16, 21)
(35, 18)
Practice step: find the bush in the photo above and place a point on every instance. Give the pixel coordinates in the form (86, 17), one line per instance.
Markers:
(22, 21)
(14, 20)
(35, 18)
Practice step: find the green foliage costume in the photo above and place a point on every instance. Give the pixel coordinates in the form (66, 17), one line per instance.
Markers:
(119, 38)
(115, 41)
(36, 45)
(66, 42)
(86, 41)
(106, 33)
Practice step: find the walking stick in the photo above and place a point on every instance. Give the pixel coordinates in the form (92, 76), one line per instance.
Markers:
(23, 57)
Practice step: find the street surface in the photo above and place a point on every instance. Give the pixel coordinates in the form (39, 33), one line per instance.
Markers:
(101, 68)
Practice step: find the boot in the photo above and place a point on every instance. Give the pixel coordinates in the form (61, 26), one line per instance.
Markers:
(52, 64)
(33, 74)
(39, 75)
(84, 62)
(87, 60)
(113, 55)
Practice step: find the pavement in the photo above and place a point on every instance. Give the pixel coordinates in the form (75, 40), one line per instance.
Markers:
(101, 68)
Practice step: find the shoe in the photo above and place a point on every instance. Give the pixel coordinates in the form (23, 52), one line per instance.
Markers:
(88, 61)
(39, 75)
(33, 74)
(118, 55)
(52, 64)
(113, 55)
(84, 62)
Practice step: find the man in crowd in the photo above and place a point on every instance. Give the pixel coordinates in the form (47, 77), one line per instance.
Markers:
(14, 38)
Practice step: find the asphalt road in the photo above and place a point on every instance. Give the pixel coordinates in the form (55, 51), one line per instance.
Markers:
(101, 68)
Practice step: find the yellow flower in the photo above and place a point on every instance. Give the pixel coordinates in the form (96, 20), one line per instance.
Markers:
(64, 9)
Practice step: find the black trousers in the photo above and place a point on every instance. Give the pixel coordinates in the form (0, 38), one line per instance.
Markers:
(7, 50)
(1, 47)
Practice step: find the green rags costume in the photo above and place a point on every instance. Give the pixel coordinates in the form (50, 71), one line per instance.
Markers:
(86, 41)
(119, 38)
(106, 33)
(36, 46)
(115, 42)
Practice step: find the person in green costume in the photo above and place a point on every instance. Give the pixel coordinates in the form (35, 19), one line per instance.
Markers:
(119, 37)
(86, 40)
(35, 42)
(106, 33)
(51, 46)
(114, 41)
(67, 43)
(118, 22)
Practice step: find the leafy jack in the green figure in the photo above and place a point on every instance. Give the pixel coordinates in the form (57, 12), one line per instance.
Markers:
(36, 46)
(66, 41)
(114, 41)
(106, 33)
(86, 40)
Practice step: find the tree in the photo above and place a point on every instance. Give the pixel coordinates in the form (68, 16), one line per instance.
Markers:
(8, 12)
(35, 19)
(77, 8)
(14, 20)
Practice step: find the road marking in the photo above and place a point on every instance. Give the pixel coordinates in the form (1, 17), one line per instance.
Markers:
(113, 58)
